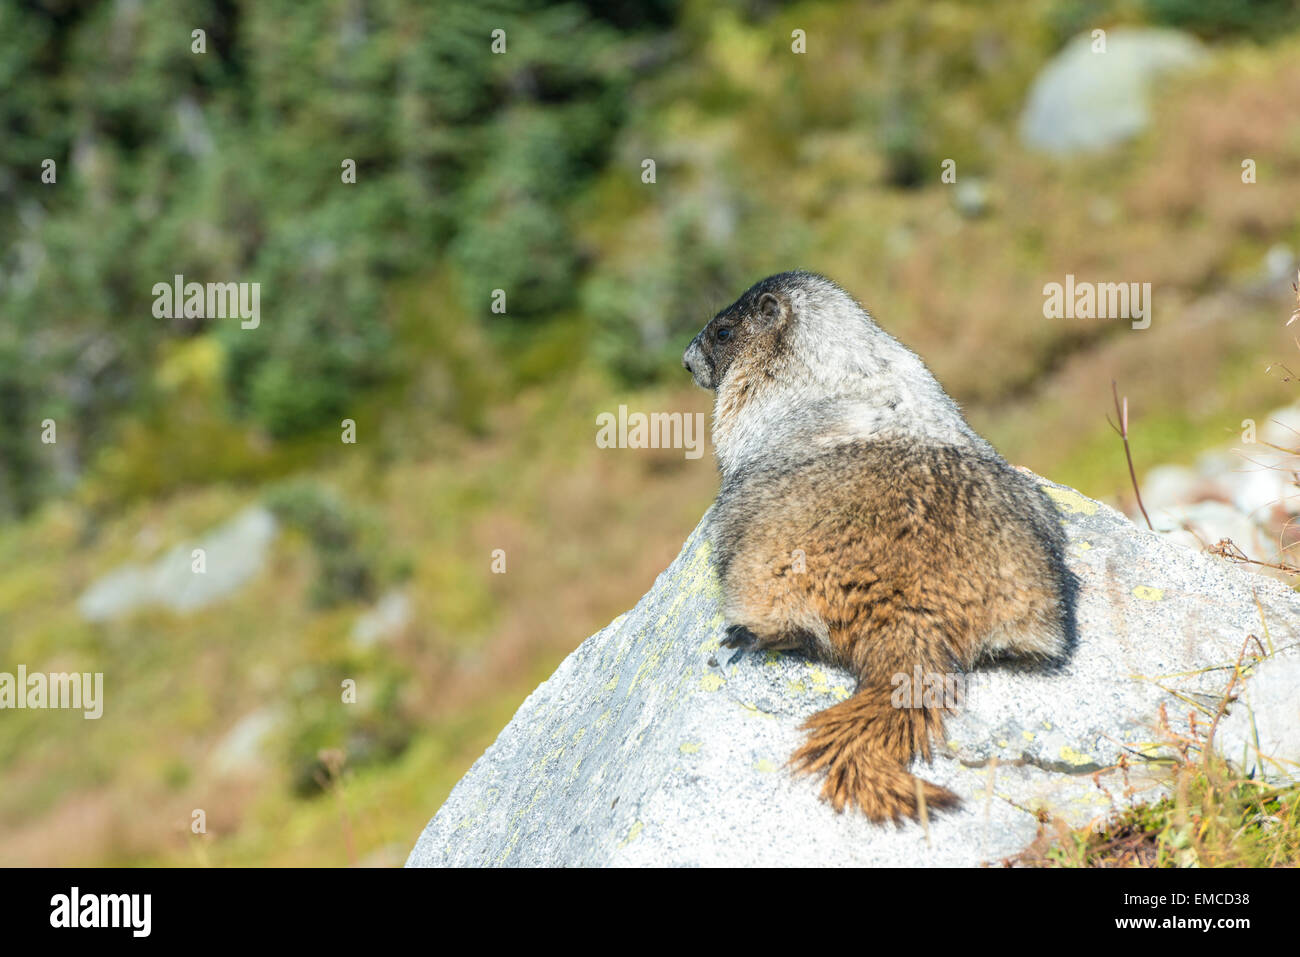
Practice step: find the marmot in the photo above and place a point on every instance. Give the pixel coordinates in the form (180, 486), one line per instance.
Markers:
(920, 546)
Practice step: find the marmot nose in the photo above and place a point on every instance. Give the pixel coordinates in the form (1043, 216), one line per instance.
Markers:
(686, 364)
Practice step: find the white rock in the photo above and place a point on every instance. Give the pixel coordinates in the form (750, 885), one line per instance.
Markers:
(971, 197)
(1215, 463)
(1261, 733)
(1279, 264)
(1256, 490)
(646, 748)
(1169, 485)
(1204, 524)
(241, 748)
(391, 614)
(1084, 101)
(1281, 427)
(233, 554)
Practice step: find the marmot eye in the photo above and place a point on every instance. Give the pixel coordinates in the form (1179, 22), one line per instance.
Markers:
(723, 334)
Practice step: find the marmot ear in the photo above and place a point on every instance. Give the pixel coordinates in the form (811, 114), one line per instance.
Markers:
(772, 310)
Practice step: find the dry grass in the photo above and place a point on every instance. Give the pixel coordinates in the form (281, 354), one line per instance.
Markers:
(585, 531)
(1214, 817)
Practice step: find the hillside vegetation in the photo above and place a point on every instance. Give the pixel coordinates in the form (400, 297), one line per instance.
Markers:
(475, 430)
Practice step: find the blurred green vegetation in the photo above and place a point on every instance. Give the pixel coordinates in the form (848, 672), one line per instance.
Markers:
(227, 164)
(502, 172)
(522, 172)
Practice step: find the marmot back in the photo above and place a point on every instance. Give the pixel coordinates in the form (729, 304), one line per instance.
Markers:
(862, 522)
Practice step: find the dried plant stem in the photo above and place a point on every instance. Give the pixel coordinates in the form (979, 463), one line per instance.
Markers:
(1121, 410)
(1226, 548)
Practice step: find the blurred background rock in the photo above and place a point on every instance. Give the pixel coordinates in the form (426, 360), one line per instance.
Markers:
(373, 562)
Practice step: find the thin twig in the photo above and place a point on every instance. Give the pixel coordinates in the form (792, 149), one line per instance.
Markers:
(1227, 695)
(1282, 365)
(1122, 430)
(1227, 548)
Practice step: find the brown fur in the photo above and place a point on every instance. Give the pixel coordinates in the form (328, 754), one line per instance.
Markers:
(912, 556)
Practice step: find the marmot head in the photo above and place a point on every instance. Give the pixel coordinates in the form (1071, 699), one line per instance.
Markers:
(753, 326)
(796, 357)
(782, 324)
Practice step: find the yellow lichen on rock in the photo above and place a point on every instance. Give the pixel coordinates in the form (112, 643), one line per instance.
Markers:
(1071, 501)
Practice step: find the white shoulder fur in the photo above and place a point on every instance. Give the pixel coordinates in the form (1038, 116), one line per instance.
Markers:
(845, 379)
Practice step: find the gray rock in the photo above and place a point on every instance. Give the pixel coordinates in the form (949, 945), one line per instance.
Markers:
(1261, 732)
(1247, 494)
(646, 748)
(1205, 524)
(391, 614)
(241, 748)
(1279, 265)
(1169, 486)
(1086, 101)
(233, 554)
(1281, 427)
(971, 197)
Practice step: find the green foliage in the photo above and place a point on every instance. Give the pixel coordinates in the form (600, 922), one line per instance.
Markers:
(1260, 19)
(371, 730)
(1069, 18)
(908, 158)
(642, 316)
(345, 569)
(514, 236)
(1215, 819)
(226, 166)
